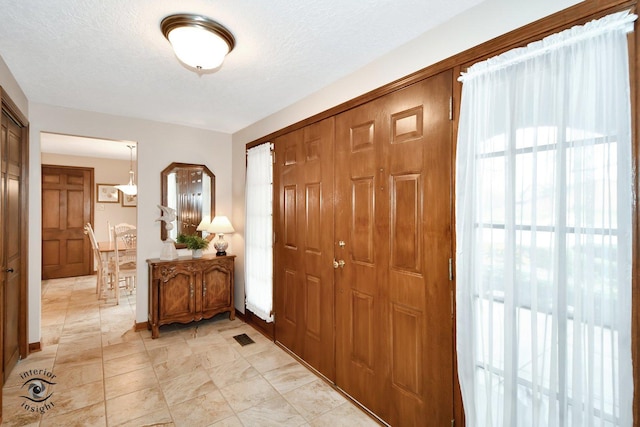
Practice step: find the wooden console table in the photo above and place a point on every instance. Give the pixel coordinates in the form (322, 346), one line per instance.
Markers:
(189, 289)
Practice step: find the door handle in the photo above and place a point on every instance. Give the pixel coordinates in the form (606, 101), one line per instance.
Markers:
(9, 270)
(338, 263)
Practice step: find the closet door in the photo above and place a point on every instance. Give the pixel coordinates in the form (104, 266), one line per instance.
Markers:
(303, 222)
(394, 340)
(11, 243)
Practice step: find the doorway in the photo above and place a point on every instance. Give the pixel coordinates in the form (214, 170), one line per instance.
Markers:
(79, 175)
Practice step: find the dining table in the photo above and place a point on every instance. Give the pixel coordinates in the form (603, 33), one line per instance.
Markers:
(109, 247)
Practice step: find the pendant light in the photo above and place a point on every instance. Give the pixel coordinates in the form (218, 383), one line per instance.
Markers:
(197, 41)
(130, 189)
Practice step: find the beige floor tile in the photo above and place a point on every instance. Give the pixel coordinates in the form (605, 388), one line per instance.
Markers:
(248, 393)
(166, 338)
(273, 412)
(188, 386)
(231, 373)
(122, 349)
(51, 334)
(69, 376)
(345, 415)
(163, 354)
(128, 363)
(289, 377)
(68, 356)
(130, 382)
(314, 399)
(201, 411)
(159, 418)
(139, 404)
(70, 399)
(216, 355)
(204, 343)
(93, 416)
(228, 422)
(176, 367)
(270, 359)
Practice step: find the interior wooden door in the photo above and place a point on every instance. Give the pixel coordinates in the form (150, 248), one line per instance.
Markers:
(67, 205)
(303, 218)
(394, 340)
(11, 241)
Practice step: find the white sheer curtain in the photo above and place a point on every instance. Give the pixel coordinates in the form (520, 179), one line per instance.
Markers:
(259, 232)
(543, 222)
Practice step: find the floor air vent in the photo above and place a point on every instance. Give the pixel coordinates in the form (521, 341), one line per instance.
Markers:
(243, 339)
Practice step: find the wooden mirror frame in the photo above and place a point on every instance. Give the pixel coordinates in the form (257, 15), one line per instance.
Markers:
(197, 216)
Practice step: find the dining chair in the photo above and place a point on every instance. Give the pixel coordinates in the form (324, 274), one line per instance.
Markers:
(129, 239)
(103, 268)
(110, 231)
(125, 261)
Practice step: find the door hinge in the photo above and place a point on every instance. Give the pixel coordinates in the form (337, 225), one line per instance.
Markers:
(450, 269)
(453, 422)
(450, 108)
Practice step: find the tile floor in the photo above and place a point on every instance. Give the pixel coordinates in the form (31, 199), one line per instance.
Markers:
(193, 375)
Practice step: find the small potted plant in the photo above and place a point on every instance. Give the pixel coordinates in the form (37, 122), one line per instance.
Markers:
(195, 243)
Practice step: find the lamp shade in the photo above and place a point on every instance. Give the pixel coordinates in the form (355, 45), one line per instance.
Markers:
(197, 41)
(204, 224)
(221, 225)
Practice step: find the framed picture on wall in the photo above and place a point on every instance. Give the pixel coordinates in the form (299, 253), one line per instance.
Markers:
(107, 193)
(129, 201)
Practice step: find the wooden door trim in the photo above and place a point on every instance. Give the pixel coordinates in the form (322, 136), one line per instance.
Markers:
(10, 108)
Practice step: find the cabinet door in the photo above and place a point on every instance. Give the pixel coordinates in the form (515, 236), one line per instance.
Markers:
(216, 286)
(176, 297)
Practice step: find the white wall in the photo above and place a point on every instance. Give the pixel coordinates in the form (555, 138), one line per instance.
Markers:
(105, 171)
(159, 144)
(484, 22)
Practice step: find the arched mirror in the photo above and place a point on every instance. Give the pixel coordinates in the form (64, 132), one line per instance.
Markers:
(191, 191)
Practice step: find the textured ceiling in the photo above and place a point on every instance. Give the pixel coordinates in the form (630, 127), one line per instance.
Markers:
(109, 56)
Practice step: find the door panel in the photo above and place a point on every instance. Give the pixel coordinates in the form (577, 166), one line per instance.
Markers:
(359, 182)
(66, 208)
(394, 334)
(216, 282)
(304, 293)
(177, 296)
(11, 242)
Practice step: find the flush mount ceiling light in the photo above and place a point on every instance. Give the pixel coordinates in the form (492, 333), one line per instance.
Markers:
(197, 41)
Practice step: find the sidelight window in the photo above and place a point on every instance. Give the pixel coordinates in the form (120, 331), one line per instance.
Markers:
(543, 224)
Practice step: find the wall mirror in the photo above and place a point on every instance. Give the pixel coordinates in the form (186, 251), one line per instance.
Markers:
(190, 190)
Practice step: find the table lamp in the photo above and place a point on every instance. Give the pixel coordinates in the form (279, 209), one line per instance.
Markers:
(220, 226)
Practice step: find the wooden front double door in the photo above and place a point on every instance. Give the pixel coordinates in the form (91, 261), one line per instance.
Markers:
(362, 214)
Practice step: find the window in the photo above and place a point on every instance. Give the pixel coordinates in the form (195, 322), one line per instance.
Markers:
(543, 223)
(259, 232)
